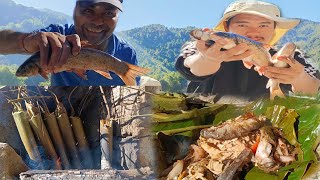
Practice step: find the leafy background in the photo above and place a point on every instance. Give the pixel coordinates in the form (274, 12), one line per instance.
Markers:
(157, 46)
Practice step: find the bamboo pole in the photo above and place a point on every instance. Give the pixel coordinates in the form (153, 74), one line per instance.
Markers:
(106, 141)
(41, 132)
(82, 142)
(80, 137)
(106, 136)
(21, 120)
(53, 128)
(67, 134)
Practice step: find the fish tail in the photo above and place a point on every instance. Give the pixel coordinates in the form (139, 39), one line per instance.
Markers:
(129, 78)
(275, 89)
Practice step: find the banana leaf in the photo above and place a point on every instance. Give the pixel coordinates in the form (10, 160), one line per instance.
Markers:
(194, 117)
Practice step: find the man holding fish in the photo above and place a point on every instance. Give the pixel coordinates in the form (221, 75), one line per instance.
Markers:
(60, 48)
(222, 66)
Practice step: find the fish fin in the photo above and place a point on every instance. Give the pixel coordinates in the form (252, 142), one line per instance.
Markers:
(81, 73)
(275, 89)
(85, 43)
(104, 74)
(44, 74)
(247, 64)
(129, 78)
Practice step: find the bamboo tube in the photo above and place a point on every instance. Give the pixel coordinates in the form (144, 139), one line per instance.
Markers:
(41, 132)
(21, 119)
(106, 135)
(66, 131)
(78, 131)
(106, 141)
(82, 142)
(53, 128)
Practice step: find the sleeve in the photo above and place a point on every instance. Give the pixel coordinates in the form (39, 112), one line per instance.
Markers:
(56, 28)
(187, 50)
(307, 66)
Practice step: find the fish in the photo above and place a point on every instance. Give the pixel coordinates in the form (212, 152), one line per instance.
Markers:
(265, 150)
(287, 50)
(243, 158)
(261, 56)
(238, 127)
(87, 59)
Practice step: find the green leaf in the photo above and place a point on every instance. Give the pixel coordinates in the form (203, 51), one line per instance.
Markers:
(255, 172)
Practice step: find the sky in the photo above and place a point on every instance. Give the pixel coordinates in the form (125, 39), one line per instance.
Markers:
(180, 13)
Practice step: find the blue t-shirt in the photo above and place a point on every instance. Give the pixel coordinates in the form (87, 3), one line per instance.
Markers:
(116, 47)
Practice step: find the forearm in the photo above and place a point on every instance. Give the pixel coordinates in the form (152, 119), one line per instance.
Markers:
(306, 85)
(200, 66)
(12, 42)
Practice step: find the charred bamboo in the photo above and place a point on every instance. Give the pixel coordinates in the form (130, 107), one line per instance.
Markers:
(21, 119)
(41, 132)
(51, 123)
(106, 141)
(66, 132)
(82, 142)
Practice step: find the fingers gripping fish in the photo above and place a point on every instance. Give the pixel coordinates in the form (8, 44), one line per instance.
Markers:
(287, 50)
(87, 59)
(260, 57)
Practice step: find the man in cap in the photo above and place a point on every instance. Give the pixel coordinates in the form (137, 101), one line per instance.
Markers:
(94, 22)
(222, 73)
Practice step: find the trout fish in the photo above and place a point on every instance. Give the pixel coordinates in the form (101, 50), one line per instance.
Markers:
(260, 57)
(87, 59)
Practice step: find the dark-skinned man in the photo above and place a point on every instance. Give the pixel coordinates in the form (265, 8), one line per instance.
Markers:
(94, 22)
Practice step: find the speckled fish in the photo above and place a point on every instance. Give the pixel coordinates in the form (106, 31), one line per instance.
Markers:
(238, 127)
(260, 57)
(287, 50)
(87, 59)
(230, 171)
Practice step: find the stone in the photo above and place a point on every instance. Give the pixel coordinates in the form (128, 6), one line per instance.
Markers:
(11, 163)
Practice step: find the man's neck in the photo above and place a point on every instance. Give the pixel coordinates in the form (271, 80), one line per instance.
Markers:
(102, 46)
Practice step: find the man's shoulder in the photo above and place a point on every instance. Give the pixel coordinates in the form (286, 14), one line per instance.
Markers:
(65, 29)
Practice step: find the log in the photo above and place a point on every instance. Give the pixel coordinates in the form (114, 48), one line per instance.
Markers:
(142, 173)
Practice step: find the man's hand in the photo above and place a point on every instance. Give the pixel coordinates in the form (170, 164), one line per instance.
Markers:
(290, 75)
(59, 45)
(295, 75)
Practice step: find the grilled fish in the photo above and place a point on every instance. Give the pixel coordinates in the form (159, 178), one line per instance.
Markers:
(238, 127)
(87, 59)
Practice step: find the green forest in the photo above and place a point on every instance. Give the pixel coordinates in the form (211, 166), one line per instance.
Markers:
(157, 46)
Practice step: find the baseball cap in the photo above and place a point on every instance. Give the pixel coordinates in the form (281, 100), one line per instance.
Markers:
(116, 3)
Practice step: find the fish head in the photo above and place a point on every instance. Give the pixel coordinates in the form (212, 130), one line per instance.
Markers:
(199, 34)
